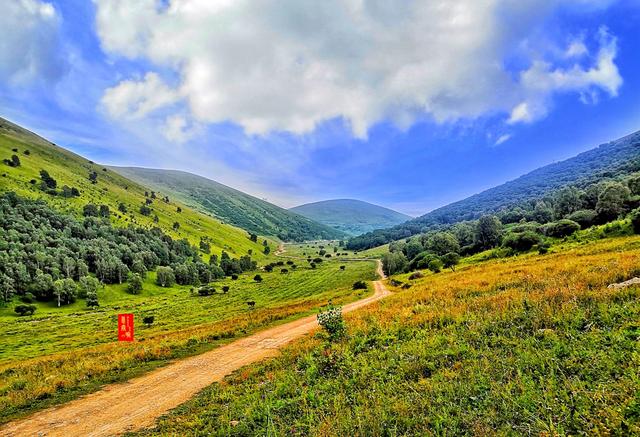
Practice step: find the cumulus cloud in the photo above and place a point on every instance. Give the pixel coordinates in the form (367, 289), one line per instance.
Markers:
(29, 47)
(290, 65)
(132, 99)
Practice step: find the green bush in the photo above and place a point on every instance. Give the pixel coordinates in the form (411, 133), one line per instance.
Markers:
(435, 265)
(521, 242)
(24, 310)
(331, 321)
(635, 221)
(561, 228)
(585, 218)
(359, 285)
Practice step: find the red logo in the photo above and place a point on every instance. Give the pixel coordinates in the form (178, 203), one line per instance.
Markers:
(125, 327)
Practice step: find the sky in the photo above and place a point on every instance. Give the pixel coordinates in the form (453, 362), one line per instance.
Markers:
(410, 105)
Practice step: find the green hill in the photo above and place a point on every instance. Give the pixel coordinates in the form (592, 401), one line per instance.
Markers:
(353, 217)
(611, 160)
(111, 189)
(232, 206)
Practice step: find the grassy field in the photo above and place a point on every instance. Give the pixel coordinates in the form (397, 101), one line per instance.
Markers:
(527, 345)
(332, 247)
(59, 353)
(111, 189)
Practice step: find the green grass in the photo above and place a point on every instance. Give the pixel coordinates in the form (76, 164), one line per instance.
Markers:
(73, 170)
(528, 345)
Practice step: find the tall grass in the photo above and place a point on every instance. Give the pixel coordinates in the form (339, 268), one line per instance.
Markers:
(533, 345)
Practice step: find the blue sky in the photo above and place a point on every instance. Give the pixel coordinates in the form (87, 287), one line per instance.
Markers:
(409, 105)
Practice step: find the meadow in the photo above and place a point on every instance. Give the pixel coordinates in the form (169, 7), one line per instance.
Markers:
(60, 353)
(525, 345)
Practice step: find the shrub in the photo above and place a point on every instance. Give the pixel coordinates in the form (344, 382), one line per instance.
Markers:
(332, 322)
(225, 289)
(522, 241)
(416, 275)
(257, 278)
(359, 285)
(561, 228)
(28, 298)
(148, 320)
(92, 299)
(635, 220)
(206, 290)
(435, 265)
(24, 310)
(165, 276)
(234, 277)
(134, 285)
(585, 218)
(450, 260)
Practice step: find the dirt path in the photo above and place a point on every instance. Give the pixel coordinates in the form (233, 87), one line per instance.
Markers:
(137, 403)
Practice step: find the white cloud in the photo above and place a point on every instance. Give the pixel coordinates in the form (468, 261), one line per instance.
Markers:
(29, 44)
(178, 129)
(289, 65)
(502, 139)
(132, 99)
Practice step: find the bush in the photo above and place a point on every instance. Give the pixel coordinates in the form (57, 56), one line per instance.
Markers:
(635, 220)
(206, 290)
(561, 228)
(165, 277)
(134, 285)
(332, 322)
(148, 320)
(257, 278)
(234, 277)
(28, 298)
(24, 310)
(225, 289)
(521, 242)
(585, 218)
(450, 260)
(416, 275)
(435, 265)
(359, 285)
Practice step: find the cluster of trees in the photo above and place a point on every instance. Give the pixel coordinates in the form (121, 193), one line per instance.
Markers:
(612, 162)
(47, 255)
(14, 161)
(558, 215)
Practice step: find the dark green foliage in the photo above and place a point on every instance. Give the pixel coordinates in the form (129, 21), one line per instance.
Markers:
(435, 265)
(488, 232)
(441, 243)
(359, 285)
(134, 283)
(206, 290)
(14, 161)
(257, 278)
(253, 237)
(225, 288)
(450, 260)
(176, 226)
(165, 277)
(145, 210)
(65, 291)
(635, 220)
(585, 218)
(521, 241)
(561, 228)
(48, 183)
(25, 310)
(615, 158)
(90, 210)
(148, 320)
(393, 263)
(122, 208)
(611, 201)
(92, 300)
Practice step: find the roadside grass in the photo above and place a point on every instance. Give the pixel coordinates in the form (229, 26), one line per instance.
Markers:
(533, 345)
(61, 353)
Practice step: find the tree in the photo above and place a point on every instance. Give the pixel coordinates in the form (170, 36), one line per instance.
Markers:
(634, 184)
(393, 263)
(92, 300)
(93, 177)
(611, 200)
(635, 220)
(257, 278)
(165, 277)
(148, 320)
(359, 285)
(48, 183)
(134, 285)
(145, 210)
(566, 201)
(585, 218)
(14, 161)
(87, 285)
(122, 208)
(253, 237)
(450, 260)
(443, 242)
(561, 228)
(488, 231)
(176, 226)
(65, 291)
(412, 249)
(521, 241)
(90, 210)
(435, 265)
(267, 250)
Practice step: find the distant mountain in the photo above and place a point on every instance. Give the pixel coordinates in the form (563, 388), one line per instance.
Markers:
(353, 217)
(609, 160)
(230, 205)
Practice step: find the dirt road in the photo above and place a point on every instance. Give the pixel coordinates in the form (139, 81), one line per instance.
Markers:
(137, 403)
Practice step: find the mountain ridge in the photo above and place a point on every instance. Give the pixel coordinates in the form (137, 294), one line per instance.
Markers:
(351, 216)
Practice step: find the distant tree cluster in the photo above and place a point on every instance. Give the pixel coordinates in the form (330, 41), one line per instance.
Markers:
(56, 257)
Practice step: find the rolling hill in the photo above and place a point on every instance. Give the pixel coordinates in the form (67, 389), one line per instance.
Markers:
(232, 206)
(609, 160)
(111, 189)
(353, 217)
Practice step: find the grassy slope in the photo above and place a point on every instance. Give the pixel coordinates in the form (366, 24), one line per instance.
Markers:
(73, 170)
(230, 205)
(535, 344)
(353, 217)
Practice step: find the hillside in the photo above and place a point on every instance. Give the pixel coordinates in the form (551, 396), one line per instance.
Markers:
(353, 217)
(111, 189)
(612, 159)
(232, 206)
